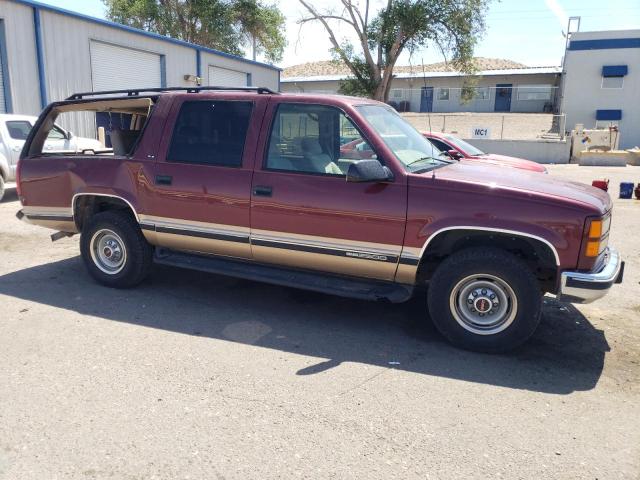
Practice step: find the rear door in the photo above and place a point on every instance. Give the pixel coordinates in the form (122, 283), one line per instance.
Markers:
(199, 196)
(303, 211)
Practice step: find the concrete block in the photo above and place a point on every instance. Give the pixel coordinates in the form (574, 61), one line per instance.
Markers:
(614, 158)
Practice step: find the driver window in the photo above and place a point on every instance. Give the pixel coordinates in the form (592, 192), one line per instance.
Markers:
(314, 139)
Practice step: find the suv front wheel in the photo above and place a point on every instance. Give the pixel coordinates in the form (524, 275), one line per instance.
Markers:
(114, 250)
(484, 299)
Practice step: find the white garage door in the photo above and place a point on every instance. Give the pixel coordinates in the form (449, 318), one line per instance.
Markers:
(119, 68)
(223, 77)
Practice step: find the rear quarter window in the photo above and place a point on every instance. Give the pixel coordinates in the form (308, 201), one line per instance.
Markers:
(19, 129)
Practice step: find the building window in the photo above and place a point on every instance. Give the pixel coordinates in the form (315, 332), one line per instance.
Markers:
(612, 82)
(535, 92)
(443, 94)
(481, 93)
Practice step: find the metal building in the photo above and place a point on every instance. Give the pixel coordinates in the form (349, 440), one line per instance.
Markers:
(531, 89)
(47, 53)
(601, 82)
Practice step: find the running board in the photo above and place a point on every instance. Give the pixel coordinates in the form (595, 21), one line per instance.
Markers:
(304, 279)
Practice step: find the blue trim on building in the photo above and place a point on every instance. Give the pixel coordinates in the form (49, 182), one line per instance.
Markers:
(163, 71)
(249, 80)
(107, 23)
(42, 81)
(608, 114)
(615, 70)
(6, 82)
(604, 44)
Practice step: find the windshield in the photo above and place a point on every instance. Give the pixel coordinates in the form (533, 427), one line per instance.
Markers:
(464, 146)
(414, 151)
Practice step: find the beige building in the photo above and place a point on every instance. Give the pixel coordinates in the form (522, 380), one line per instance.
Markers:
(509, 88)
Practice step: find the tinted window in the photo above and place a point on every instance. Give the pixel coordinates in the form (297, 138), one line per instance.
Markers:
(443, 147)
(18, 129)
(210, 133)
(314, 139)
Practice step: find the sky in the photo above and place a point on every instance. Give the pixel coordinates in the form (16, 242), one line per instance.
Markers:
(527, 31)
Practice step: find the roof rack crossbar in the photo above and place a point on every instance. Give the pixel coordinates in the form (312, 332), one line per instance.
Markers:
(136, 92)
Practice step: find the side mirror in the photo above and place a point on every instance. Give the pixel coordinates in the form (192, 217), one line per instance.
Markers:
(369, 170)
(68, 135)
(456, 155)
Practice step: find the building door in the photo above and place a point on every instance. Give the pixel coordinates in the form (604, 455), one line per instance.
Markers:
(503, 97)
(119, 68)
(224, 77)
(426, 99)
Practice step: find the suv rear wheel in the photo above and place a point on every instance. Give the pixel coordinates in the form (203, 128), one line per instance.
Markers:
(114, 250)
(484, 299)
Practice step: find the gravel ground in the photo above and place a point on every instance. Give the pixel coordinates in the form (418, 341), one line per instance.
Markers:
(194, 376)
(508, 126)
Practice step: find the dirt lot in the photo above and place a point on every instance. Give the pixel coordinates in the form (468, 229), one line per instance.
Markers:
(196, 376)
(508, 126)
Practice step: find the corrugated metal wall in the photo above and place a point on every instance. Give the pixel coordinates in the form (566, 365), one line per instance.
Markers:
(66, 54)
(21, 57)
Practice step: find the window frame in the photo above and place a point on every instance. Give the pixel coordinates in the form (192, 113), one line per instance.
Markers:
(210, 100)
(440, 91)
(621, 77)
(534, 87)
(264, 166)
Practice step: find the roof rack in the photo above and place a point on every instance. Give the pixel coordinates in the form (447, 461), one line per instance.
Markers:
(137, 92)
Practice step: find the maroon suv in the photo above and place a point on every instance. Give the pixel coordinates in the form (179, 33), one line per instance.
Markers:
(326, 193)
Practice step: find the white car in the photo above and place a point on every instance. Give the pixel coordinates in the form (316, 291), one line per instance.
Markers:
(14, 130)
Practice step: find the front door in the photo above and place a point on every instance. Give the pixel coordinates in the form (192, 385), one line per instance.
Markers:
(426, 99)
(303, 211)
(503, 97)
(199, 196)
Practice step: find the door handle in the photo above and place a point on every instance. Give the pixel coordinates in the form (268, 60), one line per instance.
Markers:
(164, 179)
(262, 191)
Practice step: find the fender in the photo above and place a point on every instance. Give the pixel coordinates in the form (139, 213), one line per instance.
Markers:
(100, 194)
(412, 257)
(515, 233)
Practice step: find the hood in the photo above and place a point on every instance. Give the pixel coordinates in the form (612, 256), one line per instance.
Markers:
(514, 162)
(521, 181)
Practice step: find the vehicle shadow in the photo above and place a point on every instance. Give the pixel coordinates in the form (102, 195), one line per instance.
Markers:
(10, 195)
(566, 354)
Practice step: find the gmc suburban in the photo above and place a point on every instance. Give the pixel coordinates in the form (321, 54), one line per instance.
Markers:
(255, 184)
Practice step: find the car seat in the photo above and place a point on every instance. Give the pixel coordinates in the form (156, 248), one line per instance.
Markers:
(320, 161)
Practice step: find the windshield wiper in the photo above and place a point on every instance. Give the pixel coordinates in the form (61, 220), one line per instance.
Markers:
(422, 159)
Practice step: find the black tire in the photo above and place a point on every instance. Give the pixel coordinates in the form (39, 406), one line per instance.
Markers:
(505, 277)
(134, 252)
(2, 188)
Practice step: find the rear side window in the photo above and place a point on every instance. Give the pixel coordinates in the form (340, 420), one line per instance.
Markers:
(440, 145)
(18, 129)
(210, 133)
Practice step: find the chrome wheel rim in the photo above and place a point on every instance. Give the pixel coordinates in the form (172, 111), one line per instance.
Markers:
(483, 304)
(108, 251)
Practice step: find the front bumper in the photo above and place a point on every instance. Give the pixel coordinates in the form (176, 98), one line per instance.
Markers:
(586, 287)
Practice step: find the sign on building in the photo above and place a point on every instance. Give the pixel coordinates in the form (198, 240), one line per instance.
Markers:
(480, 132)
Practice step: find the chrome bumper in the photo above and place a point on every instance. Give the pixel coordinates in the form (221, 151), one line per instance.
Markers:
(586, 287)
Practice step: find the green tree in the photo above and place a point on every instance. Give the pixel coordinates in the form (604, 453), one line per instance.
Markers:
(226, 25)
(451, 26)
(263, 25)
